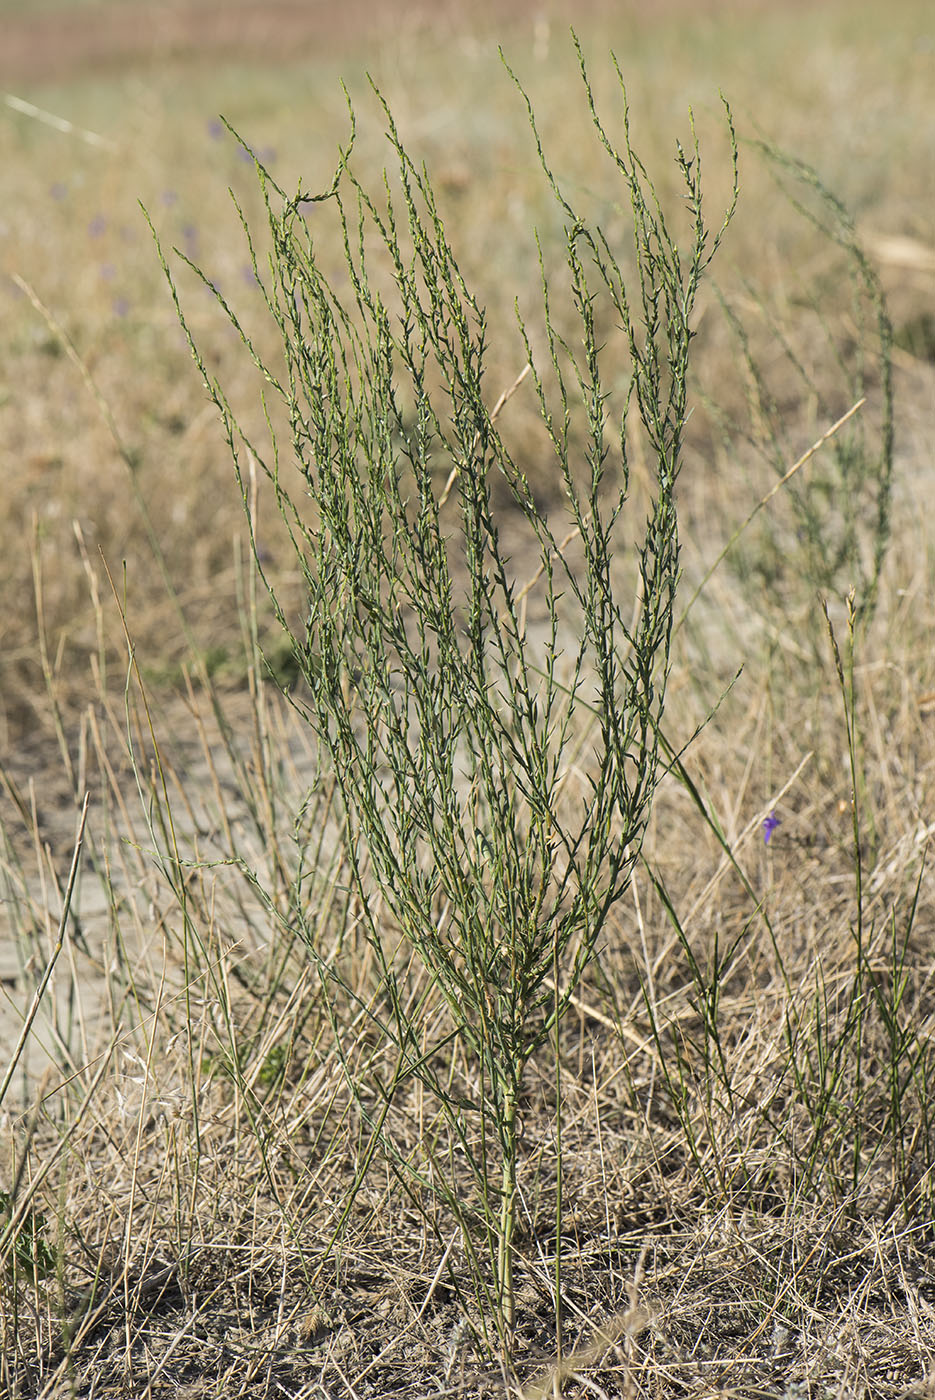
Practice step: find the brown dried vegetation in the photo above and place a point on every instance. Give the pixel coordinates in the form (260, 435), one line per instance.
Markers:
(747, 1188)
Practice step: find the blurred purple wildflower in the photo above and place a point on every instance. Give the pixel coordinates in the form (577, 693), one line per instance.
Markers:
(769, 826)
(249, 276)
(168, 197)
(245, 155)
(59, 190)
(215, 130)
(97, 226)
(108, 272)
(121, 307)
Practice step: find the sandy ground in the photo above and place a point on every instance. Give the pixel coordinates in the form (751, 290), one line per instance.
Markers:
(122, 905)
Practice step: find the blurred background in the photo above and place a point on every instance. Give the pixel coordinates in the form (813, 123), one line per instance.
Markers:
(109, 451)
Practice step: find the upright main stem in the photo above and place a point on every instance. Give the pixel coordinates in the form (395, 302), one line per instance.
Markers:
(507, 1212)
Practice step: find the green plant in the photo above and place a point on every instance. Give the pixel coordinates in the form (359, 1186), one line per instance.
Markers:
(30, 1250)
(481, 828)
(845, 1104)
(831, 345)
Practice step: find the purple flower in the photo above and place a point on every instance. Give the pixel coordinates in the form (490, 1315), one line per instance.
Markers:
(769, 826)
(58, 190)
(121, 307)
(245, 155)
(215, 130)
(97, 226)
(108, 272)
(169, 197)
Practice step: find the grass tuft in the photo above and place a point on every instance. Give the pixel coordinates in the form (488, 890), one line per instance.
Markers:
(535, 999)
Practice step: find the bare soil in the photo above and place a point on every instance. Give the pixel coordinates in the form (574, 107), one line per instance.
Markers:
(187, 1285)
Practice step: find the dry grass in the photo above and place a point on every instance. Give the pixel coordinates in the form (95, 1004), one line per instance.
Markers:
(179, 1139)
(197, 1172)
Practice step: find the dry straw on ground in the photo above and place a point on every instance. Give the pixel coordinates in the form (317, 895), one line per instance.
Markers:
(746, 1123)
